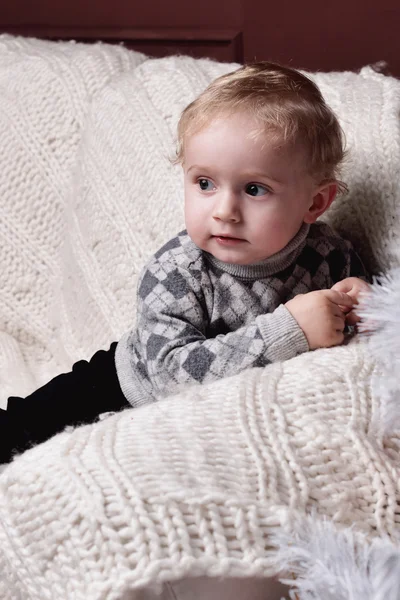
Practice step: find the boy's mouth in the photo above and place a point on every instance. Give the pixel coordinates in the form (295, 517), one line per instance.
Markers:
(228, 239)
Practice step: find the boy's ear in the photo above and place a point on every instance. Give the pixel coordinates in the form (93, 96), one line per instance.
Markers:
(322, 199)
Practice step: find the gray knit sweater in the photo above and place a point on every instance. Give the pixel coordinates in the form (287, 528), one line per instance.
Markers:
(200, 319)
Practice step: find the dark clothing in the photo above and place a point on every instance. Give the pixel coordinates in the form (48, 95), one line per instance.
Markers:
(74, 398)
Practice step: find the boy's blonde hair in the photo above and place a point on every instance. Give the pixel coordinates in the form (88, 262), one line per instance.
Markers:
(286, 103)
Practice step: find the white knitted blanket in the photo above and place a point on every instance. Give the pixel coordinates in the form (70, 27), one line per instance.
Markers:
(80, 216)
(193, 484)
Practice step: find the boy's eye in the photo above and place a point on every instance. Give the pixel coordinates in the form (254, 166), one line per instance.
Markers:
(205, 184)
(253, 189)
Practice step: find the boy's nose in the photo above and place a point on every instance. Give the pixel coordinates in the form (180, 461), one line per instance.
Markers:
(226, 208)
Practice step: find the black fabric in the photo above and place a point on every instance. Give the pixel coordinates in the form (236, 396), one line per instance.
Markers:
(73, 398)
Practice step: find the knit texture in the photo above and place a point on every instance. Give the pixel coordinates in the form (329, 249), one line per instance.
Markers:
(200, 319)
(196, 483)
(192, 484)
(88, 193)
(45, 93)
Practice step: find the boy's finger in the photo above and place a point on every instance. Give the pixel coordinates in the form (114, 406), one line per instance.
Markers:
(339, 298)
(352, 318)
(345, 309)
(342, 286)
(339, 324)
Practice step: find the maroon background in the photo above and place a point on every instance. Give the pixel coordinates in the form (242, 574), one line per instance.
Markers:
(312, 34)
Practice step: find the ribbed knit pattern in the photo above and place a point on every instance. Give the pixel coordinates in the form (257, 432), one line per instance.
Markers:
(193, 485)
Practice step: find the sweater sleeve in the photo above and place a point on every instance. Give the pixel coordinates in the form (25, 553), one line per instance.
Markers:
(172, 342)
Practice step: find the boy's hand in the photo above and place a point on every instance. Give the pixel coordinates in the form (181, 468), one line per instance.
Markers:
(353, 287)
(320, 317)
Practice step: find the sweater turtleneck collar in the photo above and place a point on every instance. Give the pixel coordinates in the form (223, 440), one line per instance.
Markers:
(269, 266)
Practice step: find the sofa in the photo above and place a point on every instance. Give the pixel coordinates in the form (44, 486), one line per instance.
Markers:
(194, 496)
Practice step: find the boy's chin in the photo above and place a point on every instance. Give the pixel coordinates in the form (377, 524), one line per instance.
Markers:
(237, 258)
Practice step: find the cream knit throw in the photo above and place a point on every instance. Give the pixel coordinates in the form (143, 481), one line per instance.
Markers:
(76, 225)
(192, 484)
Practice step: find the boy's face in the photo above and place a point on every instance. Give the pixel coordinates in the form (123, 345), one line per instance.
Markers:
(245, 198)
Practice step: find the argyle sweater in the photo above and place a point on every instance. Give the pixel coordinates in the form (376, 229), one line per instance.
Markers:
(200, 319)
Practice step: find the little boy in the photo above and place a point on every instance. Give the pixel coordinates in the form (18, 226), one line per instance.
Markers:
(252, 280)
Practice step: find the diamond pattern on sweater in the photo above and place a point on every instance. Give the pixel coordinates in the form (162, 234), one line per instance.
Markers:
(212, 324)
(198, 363)
(310, 259)
(154, 344)
(170, 245)
(147, 285)
(176, 284)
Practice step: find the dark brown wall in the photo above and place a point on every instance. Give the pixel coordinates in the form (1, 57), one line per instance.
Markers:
(344, 34)
(313, 34)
